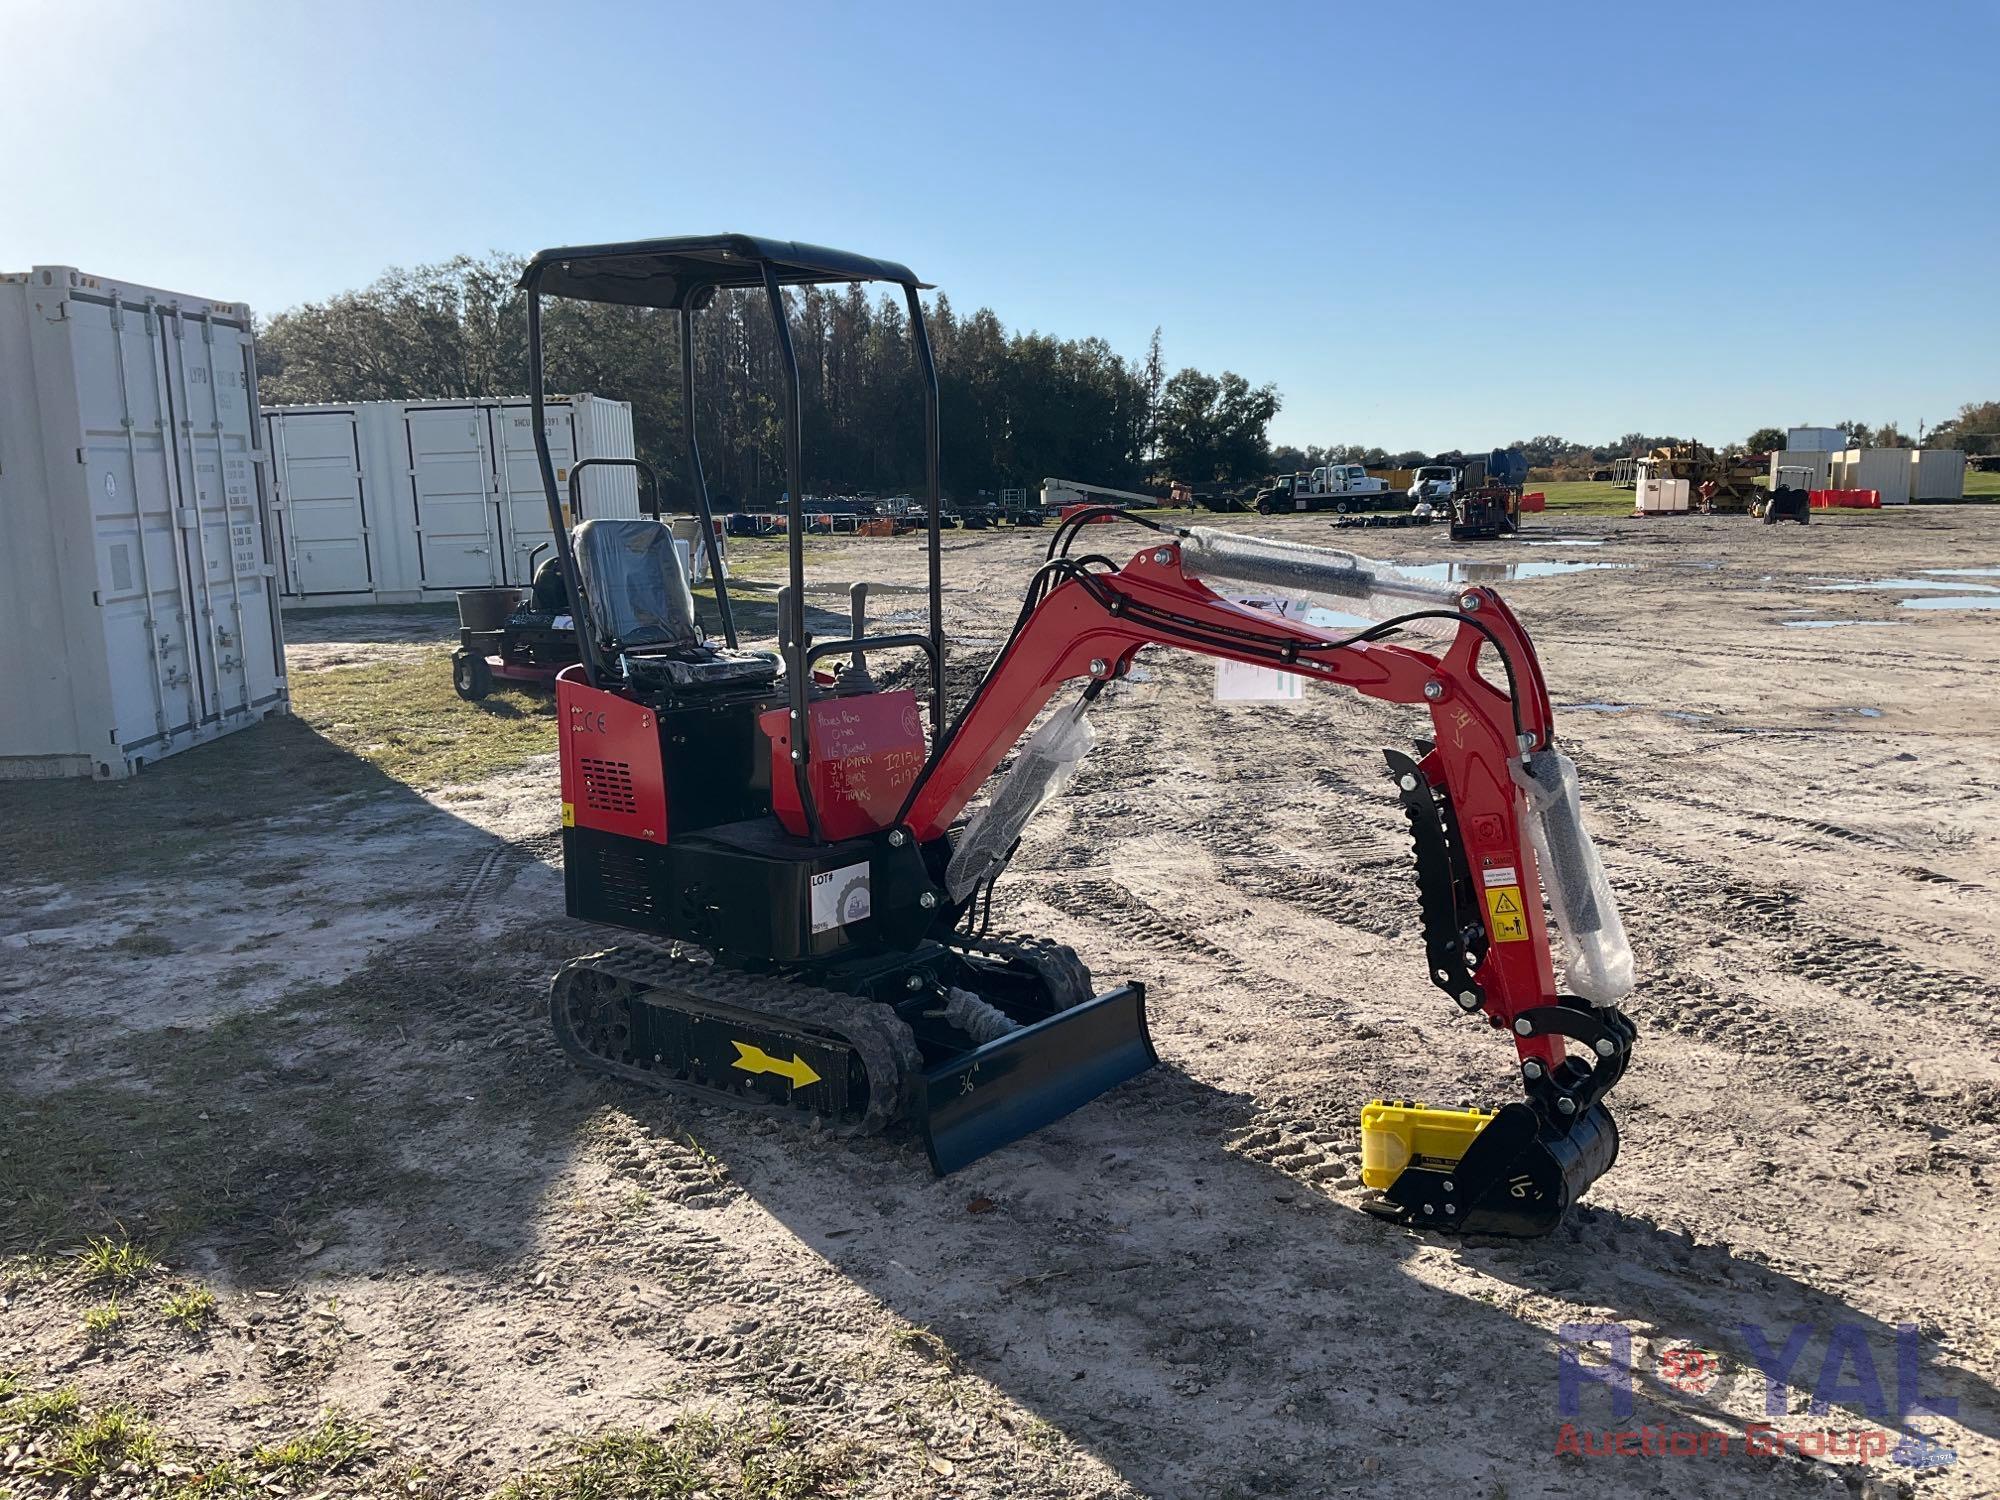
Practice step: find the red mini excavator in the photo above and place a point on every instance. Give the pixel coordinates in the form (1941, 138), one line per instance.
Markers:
(800, 836)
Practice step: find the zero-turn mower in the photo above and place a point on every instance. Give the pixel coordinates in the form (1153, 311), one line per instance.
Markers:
(506, 636)
(811, 905)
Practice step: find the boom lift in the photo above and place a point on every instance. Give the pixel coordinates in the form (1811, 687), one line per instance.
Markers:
(801, 843)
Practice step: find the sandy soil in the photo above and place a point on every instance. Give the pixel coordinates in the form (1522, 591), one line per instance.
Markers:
(415, 1213)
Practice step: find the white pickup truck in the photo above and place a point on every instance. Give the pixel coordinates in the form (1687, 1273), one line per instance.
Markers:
(1337, 487)
(1434, 482)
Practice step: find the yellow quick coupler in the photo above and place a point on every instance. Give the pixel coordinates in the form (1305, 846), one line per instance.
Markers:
(1396, 1134)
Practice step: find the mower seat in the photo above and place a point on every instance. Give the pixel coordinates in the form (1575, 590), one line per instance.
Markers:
(640, 607)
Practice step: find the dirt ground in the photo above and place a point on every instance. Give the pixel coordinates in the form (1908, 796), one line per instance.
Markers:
(272, 1028)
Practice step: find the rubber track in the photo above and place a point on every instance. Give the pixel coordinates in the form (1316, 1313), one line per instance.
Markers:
(885, 1045)
(1059, 968)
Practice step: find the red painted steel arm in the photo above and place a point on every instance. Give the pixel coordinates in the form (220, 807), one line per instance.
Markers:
(1072, 635)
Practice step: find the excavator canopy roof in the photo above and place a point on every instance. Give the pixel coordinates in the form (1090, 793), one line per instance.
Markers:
(684, 272)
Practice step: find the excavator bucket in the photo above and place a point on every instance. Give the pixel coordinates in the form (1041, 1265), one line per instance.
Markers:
(1471, 1171)
(981, 1100)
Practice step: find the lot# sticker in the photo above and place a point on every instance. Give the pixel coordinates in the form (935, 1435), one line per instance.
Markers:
(840, 897)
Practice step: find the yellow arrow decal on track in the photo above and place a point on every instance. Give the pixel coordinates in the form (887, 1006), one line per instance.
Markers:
(756, 1060)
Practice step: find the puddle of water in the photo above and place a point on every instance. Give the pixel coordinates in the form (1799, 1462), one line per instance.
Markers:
(1497, 572)
(1596, 708)
(1866, 713)
(1965, 601)
(1570, 541)
(1858, 585)
(1965, 572)
(1830, 624)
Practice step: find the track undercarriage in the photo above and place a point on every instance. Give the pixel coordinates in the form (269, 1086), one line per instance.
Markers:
(947, 1036)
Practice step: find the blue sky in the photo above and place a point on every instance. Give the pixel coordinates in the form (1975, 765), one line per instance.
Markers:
(1431, 226)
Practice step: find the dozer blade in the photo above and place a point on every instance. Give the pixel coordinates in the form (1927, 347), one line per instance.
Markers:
(1518, 1175)
(1016, 1084)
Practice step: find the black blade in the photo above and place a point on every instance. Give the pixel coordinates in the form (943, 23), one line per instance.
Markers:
(980, 1101)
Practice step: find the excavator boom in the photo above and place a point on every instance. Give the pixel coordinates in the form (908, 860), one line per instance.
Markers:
(1492, 806)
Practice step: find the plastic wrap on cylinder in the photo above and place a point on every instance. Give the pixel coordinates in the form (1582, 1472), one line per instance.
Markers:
(1348, 582)
(1600, 960)
(1044, 767)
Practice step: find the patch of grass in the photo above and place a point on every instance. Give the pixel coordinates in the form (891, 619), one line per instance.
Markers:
(113, 1262)
(192, 1309)
(41, 1410)
(101, 1323)
(1978, 483)
(634, 1203)
(93, 1448)
(330, 1447)
(403, 718)
(82, 1448)
(143, 944)
(745, 1458)
(1586, 497)
(923, 1342)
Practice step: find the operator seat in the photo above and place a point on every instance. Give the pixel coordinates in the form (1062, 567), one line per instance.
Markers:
(640, 608)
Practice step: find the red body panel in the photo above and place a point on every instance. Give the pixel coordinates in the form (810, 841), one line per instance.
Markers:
(866, 751)
(612, 776)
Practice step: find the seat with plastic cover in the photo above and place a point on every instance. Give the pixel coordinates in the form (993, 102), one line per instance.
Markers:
(640, 607)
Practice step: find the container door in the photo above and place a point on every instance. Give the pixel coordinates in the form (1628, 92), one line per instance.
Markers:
(523, 504)
(453, 490)
(322, 502)
(130, 455)
(239, 653)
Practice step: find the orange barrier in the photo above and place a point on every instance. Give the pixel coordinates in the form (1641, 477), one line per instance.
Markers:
(876, 528)
(1846, 499)
(1070, 510)
(1534, 500)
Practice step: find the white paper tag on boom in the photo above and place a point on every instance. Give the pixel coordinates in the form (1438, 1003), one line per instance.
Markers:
(840, 897)
(1242, 682)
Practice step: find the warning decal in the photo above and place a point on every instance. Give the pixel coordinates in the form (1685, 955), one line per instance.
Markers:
(1494, 875)
(1505, 915)
(840, 897)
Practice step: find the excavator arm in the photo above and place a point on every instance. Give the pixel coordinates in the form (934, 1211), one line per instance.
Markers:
(1492, 808)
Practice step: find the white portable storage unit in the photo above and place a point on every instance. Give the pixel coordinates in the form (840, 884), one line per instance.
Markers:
(396, 502)
(1937, 474)
(1661, 497)
(1884, 470)
(1818, 465)
(136, 591)
(1814, 440)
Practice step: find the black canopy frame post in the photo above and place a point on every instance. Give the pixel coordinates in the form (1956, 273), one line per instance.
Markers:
(565, 553)
(700, 477)
(792, 629)
(920, 337)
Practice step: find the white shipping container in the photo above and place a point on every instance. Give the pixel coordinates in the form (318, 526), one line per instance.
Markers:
(1661, 497)
(137, 596)
(1885, 470)
(394, 502)
(1819, 467)
(1937, 474)
(1814, 440)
